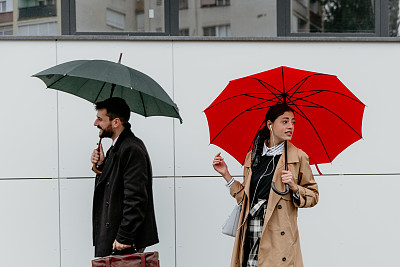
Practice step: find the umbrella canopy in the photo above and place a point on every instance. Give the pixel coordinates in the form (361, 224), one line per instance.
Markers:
(97, 80)
(328, 116)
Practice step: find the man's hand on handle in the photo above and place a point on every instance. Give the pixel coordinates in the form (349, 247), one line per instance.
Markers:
(98, 157)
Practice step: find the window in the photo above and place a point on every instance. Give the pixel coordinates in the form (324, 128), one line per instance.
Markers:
(338, 17)
(213, 3)
(121, 16)
(183, 4)
(38, 29)
(184, 32)
(115, 19)
(3, 6)
(257, 19)
(6, 31)
(36, 9)
(220, 31)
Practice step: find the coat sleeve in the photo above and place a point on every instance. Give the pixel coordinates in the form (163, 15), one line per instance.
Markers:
(237, 188)
(308, 187)
(135, 179)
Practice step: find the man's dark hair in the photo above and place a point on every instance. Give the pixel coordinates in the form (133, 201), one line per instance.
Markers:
(116, 108)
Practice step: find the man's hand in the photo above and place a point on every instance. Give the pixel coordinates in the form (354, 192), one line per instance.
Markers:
(119, 246)
(98, 157)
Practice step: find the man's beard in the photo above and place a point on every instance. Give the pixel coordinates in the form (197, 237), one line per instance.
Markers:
(107, 132)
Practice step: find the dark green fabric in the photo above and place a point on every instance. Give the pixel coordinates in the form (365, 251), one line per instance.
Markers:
(93, 79)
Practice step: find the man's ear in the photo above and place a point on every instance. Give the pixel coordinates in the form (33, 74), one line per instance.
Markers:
(116, 123)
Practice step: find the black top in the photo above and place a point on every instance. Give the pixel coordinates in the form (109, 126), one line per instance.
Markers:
(264, 185)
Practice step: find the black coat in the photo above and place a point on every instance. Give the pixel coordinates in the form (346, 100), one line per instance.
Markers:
(123, 207)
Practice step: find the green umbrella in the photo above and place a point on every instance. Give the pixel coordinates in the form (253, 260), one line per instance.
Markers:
(97, 80)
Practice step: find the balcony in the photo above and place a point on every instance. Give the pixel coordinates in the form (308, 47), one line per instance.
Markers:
(37, 12)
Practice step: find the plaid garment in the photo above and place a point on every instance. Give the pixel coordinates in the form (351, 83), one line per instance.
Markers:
(254, 229)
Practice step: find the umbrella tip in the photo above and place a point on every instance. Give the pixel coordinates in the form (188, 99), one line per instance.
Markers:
(120, 57)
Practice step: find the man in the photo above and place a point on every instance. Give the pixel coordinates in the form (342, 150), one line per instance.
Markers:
(123, 209)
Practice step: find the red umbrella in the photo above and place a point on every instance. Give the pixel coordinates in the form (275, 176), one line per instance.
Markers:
(328, 116)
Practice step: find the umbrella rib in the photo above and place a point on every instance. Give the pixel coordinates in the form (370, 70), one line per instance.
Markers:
(301, 82)
(328, 91)
(263, 83)
(55, 81)
(101, 89)
(241, 113)
(319, 106)
(229, 98)
(144, 106)
(312, 125)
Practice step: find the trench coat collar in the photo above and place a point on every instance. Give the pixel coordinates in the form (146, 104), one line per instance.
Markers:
(122, 136)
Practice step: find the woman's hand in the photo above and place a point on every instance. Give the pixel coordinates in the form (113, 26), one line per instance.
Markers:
(221, 167)
(287, 178)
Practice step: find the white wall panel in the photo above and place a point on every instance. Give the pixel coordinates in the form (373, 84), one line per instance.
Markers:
(76, 198)
(202, 70)
(355, 222)
(28, 112)
(369, 75)
(78, 136)
(29, 228)
(202, 206)
(164, 204)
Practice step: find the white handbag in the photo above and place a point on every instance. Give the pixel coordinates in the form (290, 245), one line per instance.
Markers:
(230, 227)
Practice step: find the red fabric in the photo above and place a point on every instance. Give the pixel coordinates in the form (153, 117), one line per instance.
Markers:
(328, 116)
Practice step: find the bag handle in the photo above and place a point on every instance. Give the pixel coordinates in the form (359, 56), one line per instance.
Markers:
(143, 259)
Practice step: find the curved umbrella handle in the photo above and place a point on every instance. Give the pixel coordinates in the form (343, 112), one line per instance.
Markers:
(94, 165)
(96, 170)
(279, 192)
(286, 168)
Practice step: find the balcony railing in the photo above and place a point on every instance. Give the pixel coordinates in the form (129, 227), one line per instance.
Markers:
(37, 12)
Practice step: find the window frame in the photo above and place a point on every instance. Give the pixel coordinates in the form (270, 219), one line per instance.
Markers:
(284, 22)
(5, 6)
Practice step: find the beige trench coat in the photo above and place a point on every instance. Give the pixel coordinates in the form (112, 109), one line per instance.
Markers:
(279, 244)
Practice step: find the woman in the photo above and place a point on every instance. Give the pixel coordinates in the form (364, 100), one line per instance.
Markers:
(268, 234)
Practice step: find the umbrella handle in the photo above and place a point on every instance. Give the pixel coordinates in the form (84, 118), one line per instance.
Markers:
(286, 185)
(279, 192)
(94, 165)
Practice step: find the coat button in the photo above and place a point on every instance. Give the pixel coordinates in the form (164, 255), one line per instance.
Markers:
(108, 183)
(107, 224)
(282, 233)
(283, 259)
(107, 204)
(279, 206)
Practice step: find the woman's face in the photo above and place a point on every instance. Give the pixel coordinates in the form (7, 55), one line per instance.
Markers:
(282, 128)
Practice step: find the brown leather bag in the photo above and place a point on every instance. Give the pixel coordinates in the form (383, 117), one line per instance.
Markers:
(148, 259)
